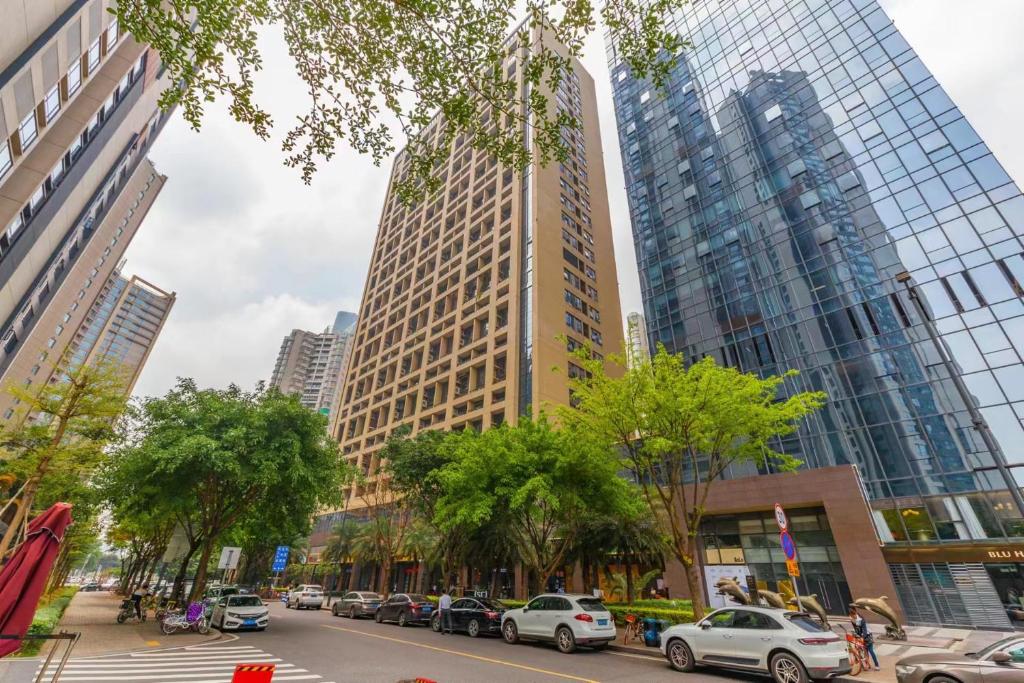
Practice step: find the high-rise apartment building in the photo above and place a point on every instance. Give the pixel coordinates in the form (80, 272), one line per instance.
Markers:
(637, 343)
(806, 196)
(312, 366)
(122, 326)
(78, 112)
(475, 294)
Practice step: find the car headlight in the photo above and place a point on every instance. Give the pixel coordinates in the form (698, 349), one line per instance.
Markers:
(905, 670)
(234, 615)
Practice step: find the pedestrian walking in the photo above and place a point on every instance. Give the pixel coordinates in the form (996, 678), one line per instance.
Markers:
(863, 631)
(137, 597)
(445, 605)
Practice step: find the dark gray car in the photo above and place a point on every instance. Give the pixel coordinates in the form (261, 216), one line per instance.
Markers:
(1001, 662)
(357, 604)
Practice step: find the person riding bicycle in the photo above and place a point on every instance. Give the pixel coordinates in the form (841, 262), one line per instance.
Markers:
(863, 631)
(137, 598)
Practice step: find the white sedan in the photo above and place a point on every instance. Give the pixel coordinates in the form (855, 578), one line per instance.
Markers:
(305, 596)
(237, 612)
(789, 646)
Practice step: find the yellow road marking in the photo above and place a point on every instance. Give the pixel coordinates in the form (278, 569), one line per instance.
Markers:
(153, 643)
(462, 654)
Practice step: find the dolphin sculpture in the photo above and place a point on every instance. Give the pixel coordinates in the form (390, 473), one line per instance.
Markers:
(731, 587)
(811, 604)
(772, 599)
(880, 607)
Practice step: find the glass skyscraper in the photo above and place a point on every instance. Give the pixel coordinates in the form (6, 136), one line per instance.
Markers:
(805, 195)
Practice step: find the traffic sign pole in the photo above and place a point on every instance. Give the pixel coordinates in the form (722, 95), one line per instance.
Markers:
(789, 548)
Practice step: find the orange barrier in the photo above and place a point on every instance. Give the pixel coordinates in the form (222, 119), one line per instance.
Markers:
(253, 673)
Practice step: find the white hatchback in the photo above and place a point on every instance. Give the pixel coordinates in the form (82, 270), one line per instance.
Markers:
(789, 646)
(306, 596)
(565, 620)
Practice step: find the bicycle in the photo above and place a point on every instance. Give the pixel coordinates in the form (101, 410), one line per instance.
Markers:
(634, 630)
(193, 619)
(859, 658)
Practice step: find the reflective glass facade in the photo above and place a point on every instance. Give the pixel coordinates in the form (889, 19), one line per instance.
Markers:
(802, 162)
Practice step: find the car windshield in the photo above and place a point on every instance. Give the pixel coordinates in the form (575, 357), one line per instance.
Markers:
(245, 601)
(416, 597)
(491, 604)
(994, 647)
(369, 596)
(313, 589)
(592, 605)
(806, 623)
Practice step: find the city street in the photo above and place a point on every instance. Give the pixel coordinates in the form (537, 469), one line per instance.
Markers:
(316, 647)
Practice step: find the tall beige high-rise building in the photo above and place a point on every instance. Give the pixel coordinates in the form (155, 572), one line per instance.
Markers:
(78, 112)
(122, 326)
(312, 366)
(476, 297)
(637, 343)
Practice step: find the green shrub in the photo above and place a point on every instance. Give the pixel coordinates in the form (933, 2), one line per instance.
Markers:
(673, 616)
(46, 618)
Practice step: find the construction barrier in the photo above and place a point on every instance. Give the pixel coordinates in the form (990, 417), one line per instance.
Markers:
(253, 673)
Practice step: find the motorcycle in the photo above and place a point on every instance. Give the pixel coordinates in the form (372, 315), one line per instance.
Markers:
(193, 619)
(127, 612)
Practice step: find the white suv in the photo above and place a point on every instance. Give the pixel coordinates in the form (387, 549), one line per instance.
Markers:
(790, 646)
(566, 620)
(305, 596)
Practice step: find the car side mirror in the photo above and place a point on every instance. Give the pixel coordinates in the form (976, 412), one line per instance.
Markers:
(1001, 658)
(705, 625)
(525, 609)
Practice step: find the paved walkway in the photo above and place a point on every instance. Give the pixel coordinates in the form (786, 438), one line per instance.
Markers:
(94, 615)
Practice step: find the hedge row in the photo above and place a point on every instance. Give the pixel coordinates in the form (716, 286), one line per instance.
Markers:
(46, 618)
(673, 616)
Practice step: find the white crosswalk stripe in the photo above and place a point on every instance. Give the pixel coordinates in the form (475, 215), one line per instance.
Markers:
(195, 664)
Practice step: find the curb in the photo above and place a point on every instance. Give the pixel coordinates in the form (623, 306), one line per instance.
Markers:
(213, 639)
(649, 652)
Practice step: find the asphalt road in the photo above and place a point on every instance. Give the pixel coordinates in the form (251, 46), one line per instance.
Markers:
(314, 646)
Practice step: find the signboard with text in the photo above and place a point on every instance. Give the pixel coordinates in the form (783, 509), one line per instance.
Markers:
(280, 558)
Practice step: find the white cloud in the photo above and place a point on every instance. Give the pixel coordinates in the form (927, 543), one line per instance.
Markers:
(253, 252)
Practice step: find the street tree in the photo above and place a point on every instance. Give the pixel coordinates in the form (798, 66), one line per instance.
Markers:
(373, 69)
(680, 428)
(543, 482)
(214, 458)
(59, 433)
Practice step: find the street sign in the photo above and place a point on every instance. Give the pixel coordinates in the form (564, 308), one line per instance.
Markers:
(280, 558)
(229, 557)
(780, 518)
(788, 546)
(793, 568)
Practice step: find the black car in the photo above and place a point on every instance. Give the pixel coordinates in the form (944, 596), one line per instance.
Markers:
(405, 608)
(474, 616)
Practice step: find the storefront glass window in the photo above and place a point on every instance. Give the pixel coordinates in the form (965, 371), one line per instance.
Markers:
(1008, 580)
(918, 523)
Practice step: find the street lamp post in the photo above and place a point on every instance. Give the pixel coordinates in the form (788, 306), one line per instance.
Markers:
(977, 419)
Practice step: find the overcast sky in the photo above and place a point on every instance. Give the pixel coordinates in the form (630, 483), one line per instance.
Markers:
(252, 252)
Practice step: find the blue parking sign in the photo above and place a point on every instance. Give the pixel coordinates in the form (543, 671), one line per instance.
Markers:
(280, 558)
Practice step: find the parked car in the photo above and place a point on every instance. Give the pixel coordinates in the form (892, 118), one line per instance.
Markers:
(236, 612)
(215, 593)
(1000, 662)
(474, 616)
(789, 646)
(305, 596)
(405, 608)
(90, 587)
(564, 619)
(357, 604)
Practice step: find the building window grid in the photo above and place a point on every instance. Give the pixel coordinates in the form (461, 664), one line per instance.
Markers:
(1008, 321)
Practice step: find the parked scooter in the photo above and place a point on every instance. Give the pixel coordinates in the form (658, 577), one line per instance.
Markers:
(127, 612)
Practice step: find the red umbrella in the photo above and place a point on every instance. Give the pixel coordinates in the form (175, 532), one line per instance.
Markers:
(24, 576)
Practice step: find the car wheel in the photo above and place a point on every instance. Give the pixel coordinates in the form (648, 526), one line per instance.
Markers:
(379, 618)
(785, 668)
(565, 640)
(352, 612)
(510, 632)
(680, 656)
(473, 628)
(435, 623)
(334, 610)
(403, 619)
(942, 679)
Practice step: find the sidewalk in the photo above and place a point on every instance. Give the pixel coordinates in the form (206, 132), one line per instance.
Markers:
(94, 615)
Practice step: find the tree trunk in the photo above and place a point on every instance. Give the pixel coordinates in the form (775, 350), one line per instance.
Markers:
(385, 572)
(199, 585)
(353, 577)
(693, 584)
(179, 579)
(630, 588)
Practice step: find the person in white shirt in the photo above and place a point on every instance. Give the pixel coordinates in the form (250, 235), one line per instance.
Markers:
(445, 605)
